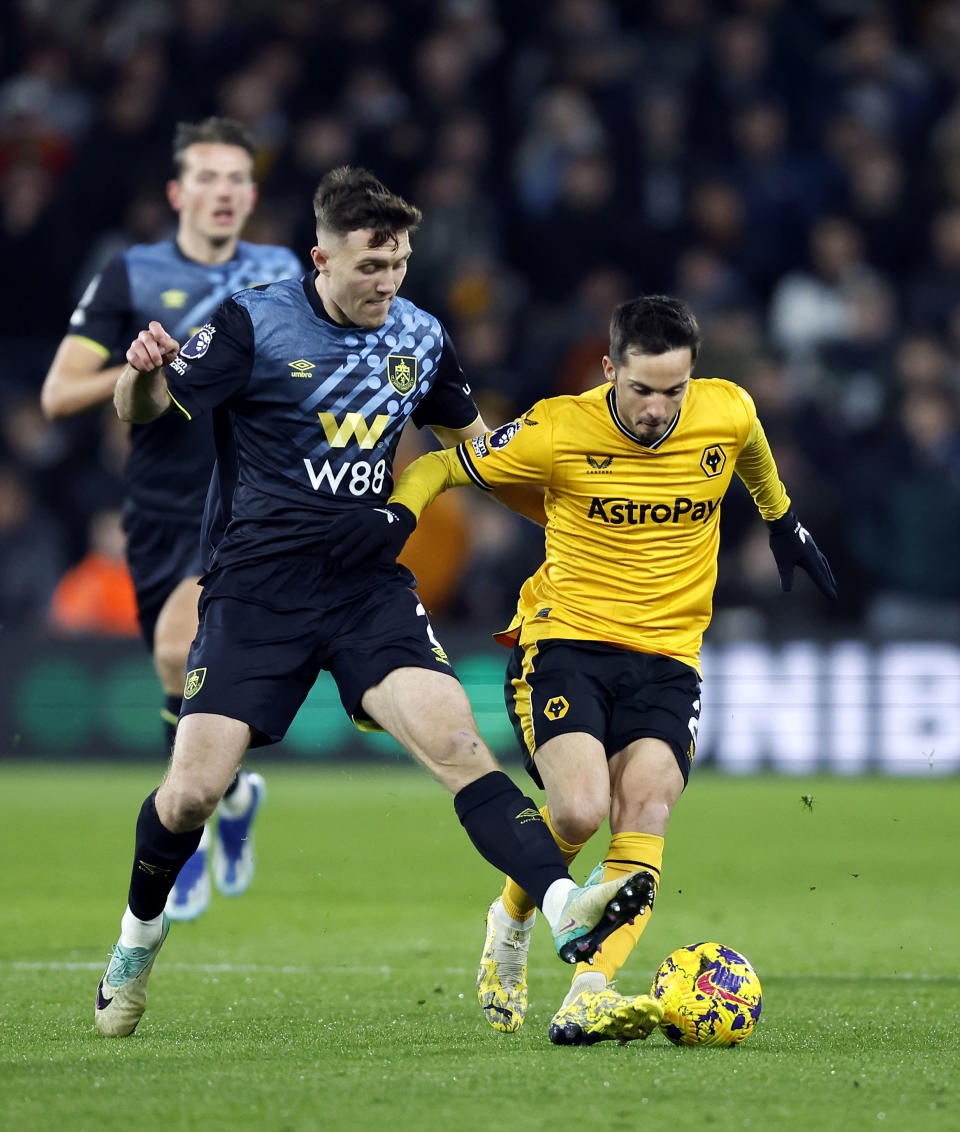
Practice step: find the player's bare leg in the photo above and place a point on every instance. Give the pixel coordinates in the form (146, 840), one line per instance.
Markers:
(577, 781)
(233, 847)
(430, 715)
(428, 712)
(172, 636)
(206, 755)
(174, 632)
(645, 785)
(574, 768)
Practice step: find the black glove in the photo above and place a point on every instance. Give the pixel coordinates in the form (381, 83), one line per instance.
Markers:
(793, 545)
(374, 534)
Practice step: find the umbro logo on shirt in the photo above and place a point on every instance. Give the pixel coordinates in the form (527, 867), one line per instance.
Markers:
(301, 368)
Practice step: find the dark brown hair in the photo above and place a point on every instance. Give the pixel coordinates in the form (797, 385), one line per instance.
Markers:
(211, 131)
(652, 324)
(349, 198)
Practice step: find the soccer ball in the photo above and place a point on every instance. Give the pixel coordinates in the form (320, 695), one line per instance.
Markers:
(710, 994)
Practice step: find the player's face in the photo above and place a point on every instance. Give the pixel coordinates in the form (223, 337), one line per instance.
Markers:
(357, 282)
(215, 193)
(650, 389)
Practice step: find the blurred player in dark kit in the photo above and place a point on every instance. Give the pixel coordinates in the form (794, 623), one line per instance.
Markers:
(181, 281)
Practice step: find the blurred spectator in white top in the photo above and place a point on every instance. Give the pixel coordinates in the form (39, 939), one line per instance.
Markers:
(820, 303)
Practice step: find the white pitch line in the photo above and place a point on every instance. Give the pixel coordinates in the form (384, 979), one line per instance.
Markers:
(225, 968)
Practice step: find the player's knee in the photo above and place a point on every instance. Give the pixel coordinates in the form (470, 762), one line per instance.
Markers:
(458, 753)
(578, 819)
(186, 804)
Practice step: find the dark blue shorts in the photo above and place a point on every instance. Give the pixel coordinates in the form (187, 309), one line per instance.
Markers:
(160, 554)
(557, 687)
(258, 664)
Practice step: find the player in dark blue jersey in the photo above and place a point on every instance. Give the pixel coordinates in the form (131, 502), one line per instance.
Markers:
(181, 281)
(310, 384)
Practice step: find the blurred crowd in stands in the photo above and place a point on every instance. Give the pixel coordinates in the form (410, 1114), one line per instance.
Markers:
(791, 168)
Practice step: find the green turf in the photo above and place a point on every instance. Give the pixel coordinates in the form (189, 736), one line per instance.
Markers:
(338, 993)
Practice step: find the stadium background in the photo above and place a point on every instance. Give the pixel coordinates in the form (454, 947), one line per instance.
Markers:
(790, 169)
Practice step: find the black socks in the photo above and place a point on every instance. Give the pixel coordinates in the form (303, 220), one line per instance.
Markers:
(507, 829)
(158, 858)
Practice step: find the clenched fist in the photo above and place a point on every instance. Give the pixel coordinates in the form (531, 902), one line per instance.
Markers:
(152, 348)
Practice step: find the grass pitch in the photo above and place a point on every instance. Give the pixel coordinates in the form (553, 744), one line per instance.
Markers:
(339, 992)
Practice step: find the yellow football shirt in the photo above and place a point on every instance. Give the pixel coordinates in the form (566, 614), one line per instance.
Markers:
(632, 531)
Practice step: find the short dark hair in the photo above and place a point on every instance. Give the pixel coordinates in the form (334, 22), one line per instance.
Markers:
(211, 131)
(652, 324)
(349, 198)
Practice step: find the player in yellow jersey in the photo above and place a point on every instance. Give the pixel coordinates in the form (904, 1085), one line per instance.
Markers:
(603, 683)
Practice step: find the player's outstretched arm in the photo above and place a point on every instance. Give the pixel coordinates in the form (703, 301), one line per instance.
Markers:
(141, 394)
(791, 543)
(525, 499)
(426, 478)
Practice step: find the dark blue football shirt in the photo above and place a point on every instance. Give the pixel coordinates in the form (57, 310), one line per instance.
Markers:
(307, 413)
(169, 466)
